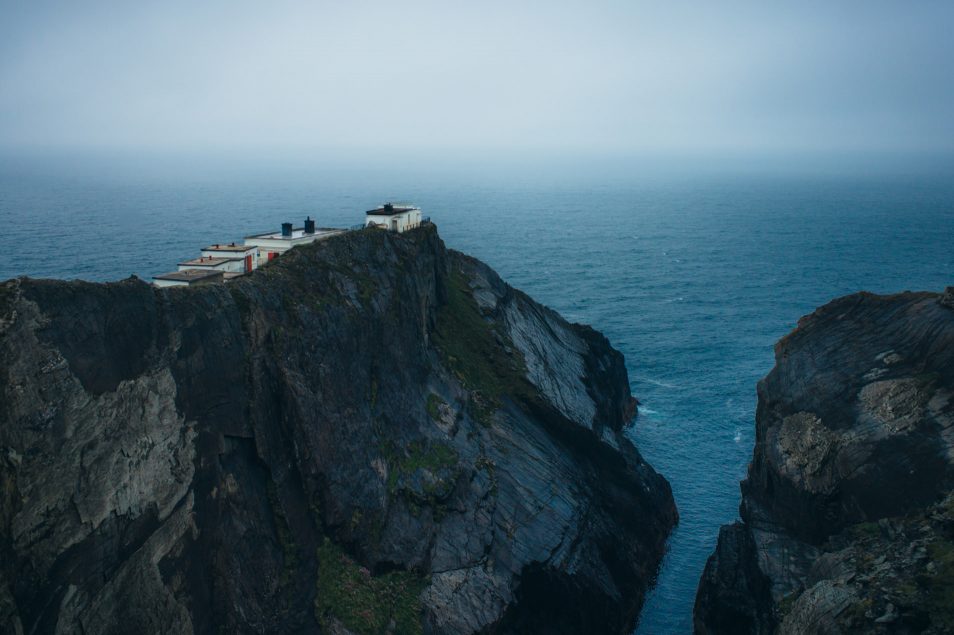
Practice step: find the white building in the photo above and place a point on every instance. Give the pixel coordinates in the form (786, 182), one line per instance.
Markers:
(188, 278)
(272, 244)
(215, 263)
(397, 218)
(247, 255)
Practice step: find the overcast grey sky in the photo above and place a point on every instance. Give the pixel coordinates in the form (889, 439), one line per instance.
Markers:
(616, 77)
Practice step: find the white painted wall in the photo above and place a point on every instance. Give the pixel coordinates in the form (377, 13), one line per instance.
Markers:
(396, 222)
(269, 245)
(280, 246)
(272, 244)
(236, 266)
(170, 283)
(233, 254)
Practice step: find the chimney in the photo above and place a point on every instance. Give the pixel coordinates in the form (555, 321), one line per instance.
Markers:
(287, 229)
(309, 226)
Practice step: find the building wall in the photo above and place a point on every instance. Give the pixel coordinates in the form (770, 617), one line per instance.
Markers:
(236, 266)
(235, 254)
(266, 246)
(377, 220)
(405, 221)
(170, 283)
(270, 244)
(279, 246)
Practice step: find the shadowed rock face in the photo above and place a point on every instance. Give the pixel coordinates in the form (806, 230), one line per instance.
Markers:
(369, 434)
(848, 519)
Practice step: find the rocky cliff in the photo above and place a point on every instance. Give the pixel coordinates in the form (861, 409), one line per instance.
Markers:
(847, 510)
(370, 434)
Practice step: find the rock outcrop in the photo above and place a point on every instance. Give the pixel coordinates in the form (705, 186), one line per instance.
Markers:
(369, 434)
(847, 509)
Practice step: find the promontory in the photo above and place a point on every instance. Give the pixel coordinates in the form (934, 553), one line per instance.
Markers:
(369, 434)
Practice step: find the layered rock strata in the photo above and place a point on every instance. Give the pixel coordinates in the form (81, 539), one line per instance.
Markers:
(847, 510)
(369, 434)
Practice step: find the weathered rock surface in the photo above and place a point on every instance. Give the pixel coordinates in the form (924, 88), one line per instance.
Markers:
(369, 434)
(848, 511)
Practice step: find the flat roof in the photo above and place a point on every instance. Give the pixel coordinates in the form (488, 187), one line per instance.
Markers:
(189, 275)
(229, 247)
(392, 210)
(208, 261)
(297, 233)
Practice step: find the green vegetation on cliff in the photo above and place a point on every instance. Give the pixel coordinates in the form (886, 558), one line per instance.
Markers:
(479, 354)
(434, 404)
(940, 584)
(423, 473)
(366, 604)
(435, 458)
(296, 470)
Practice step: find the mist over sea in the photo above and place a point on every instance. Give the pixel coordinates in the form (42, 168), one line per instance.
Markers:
(693, 276)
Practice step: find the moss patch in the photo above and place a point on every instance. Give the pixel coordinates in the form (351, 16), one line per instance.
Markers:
(365, 285)
(364, 603)
(786, 604)
(855, 614)
(487, 464)
(424, 475)
(908, 562)
(473, 349)
(241, 300)
(866, 531)
(290, 560)
(434, 404)
(433, 464)
(940, 585)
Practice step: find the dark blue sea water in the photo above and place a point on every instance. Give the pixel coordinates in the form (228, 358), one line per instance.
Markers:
(693, 278)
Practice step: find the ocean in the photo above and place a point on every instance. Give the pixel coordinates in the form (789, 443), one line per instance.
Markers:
(692, 276)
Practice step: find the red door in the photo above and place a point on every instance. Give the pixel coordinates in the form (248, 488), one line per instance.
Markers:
(248, 263)
(271, 255)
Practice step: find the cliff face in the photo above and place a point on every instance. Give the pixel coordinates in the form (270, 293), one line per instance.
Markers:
(370, 434)
(847, 510)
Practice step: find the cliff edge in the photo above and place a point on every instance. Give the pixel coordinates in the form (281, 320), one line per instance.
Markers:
(847, 510)
(369, 434)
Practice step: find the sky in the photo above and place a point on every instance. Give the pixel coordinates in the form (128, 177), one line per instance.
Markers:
(553, 77)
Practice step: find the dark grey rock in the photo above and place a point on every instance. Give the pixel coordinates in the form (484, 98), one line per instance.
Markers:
(849, 488)
(947, 298)
(171, 460)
